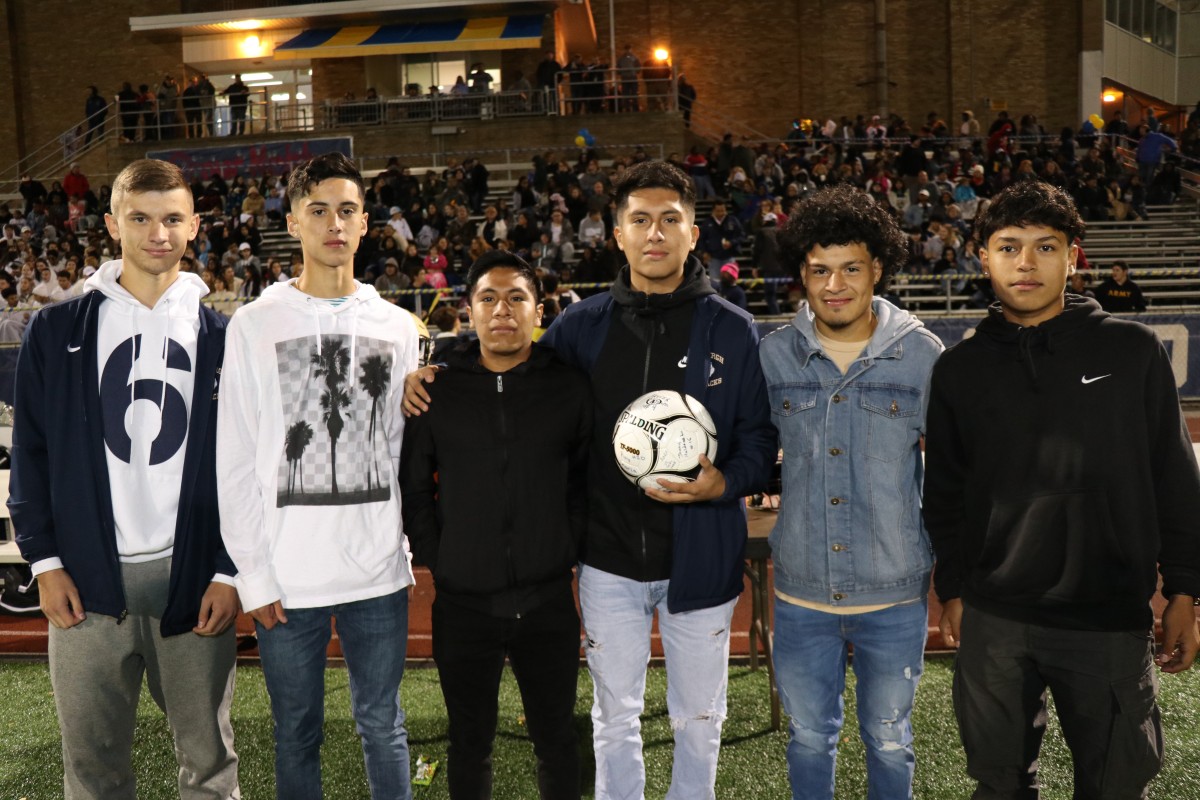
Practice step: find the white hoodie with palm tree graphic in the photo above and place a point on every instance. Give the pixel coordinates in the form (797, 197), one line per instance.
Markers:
(309, 431)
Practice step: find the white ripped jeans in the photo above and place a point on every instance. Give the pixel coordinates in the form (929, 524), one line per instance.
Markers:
(617, 617)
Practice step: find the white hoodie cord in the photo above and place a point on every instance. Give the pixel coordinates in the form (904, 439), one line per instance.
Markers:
(162, 401)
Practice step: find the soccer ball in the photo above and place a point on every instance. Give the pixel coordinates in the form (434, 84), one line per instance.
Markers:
(662, 435)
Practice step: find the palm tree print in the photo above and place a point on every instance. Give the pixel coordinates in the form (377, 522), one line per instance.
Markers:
(297, 439)
(331, 362)
(374, 379)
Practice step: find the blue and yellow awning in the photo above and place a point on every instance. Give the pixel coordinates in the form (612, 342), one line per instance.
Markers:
(491, 33)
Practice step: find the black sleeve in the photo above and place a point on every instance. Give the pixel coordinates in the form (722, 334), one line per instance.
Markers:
(1139, 300)
(1176, 482)
(945, 485)
(418, 490)
(577, 502)
(29, 501)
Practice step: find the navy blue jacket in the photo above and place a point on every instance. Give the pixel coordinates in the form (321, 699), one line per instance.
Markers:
(59, 496)
(724, 373)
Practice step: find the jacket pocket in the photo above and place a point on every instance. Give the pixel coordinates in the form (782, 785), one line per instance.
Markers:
(892, 420)
(788, 399)
(1054, 549)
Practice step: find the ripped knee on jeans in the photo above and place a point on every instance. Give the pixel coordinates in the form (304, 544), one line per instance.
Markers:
(703, 718)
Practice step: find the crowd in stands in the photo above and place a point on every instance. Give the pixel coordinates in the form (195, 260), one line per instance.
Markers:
(55, 240)
(167, 110)
(430, 227)
(427, 229)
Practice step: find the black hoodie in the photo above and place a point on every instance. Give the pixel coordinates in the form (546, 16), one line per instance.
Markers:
(645, 350)
(1060, 477)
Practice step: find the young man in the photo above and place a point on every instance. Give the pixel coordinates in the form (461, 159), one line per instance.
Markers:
(677, 551)
(1060, 483)
(1118, 292)
(848, 384)
(495, 504)
(309, 438)
(114, 500)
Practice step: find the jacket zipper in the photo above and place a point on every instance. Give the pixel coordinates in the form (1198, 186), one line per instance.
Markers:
(645, 384)
(512, 577)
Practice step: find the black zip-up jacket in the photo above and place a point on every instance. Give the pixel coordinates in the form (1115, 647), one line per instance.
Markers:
(1060, 478)
(493, 479)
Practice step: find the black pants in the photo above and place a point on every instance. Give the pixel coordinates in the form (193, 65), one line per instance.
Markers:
(543, 648)
(1104, 686)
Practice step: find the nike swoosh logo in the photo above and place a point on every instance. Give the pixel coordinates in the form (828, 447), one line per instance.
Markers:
(1086, 380)
(74, 349)
(683, 363)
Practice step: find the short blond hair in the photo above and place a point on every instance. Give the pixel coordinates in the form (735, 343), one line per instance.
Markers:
(148, 175)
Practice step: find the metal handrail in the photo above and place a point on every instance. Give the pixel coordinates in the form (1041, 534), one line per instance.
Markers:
(616, 93)
(48, 160)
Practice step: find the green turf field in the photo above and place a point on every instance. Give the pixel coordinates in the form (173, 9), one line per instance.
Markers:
(752, 759)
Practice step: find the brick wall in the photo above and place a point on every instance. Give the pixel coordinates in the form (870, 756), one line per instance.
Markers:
(761, 63)
(62, 47)
(373, 146)
(333, 77)
(765, 64)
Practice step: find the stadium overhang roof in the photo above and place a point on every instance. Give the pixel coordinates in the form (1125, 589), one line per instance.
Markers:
(479, 33)
(346, 13)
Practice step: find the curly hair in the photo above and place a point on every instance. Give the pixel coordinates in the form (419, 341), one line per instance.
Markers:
(842, 215)
(1027, 203)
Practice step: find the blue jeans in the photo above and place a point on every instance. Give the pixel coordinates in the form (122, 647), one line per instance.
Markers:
(617, 617)
(374, 638)
(810, 669)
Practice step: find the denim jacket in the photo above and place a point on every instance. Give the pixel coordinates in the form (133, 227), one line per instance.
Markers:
(849, 531)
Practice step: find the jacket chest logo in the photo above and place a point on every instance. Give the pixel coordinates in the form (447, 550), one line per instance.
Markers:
(715, 358)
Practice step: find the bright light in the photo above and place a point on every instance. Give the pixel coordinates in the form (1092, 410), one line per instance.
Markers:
(252, 45)
(1109, 97)
(280, 98)
(257, 76)
(245, 24)
(661, 54)
(301, 96)
(266, 83)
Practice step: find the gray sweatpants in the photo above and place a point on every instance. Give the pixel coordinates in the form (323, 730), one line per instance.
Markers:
(96, 670)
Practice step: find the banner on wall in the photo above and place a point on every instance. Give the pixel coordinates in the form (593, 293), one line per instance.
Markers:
(256, 158)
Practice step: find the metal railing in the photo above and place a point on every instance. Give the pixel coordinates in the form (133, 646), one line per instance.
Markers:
(55, 156)
(424, 108)
(612, 91)
(712, 124)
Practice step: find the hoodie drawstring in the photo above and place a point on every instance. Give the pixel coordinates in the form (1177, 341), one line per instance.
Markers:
(1026, 339)
(162, 401)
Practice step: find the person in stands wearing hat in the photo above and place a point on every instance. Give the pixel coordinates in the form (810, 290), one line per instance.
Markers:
(246, 258)
(392, 280)
(400, 226)
(75, 182)
(728, 287)
(917, 214)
